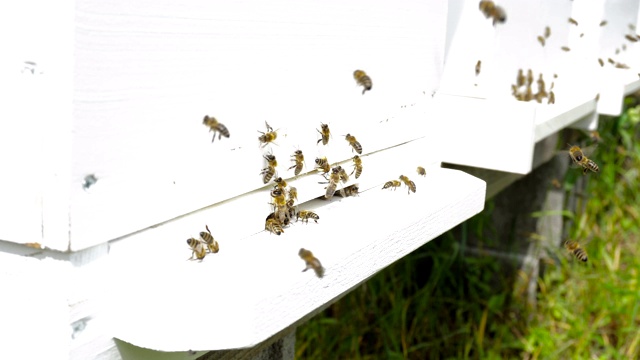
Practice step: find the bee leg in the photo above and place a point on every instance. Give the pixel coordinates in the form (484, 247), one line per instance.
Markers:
(585, 171)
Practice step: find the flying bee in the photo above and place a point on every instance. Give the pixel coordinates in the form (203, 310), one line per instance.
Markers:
(279, 204)
(362, 79)
(197, 248)
(312, 262)
(603, 23)
(631, 38)
(334, 179)
(547, 32)
(589, 164)
(393, 184)
(207, 238)
(298, 157)
(478, 66)
(565, 48)
(578, 157)
(351, 190)
(267, 137)
(216, 127)
(344, 177)
(305, 215)
(541, 40)
(357, 166)
(280, 183)
(610, 60)
(421, 171)
(293, 193)
(552, 98)
(354, 143)
(541, 87)
(272, 225)
(325, 133)
(573, 22)
(410, 184)
(491, 10)
(601, 62)
(323, 164)
(576, 250)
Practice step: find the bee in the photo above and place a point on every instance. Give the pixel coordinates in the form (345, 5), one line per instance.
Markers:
(547, 32)
(491, 10)
(631, 38)
(291, 209)
(529, 77)
(323, 164)
(354, 143)
(598, 94)
(272, 216)
(293, 193)
(601, 62)
(305, 215)
(603, 23)
(215, 126)
(617, 51)
(272, 225)
(352, 190)
(556, 184)
(393, 184)
(595, 136)
(421, 171)
(357, 166)
(552, 98)
(565, 48)
(478, 66)
(207, 238)
(267, 137)
(581, 34)
(268, 172)
(312, 262)
(621, 66)
(610, 60)
(344, 177)
(576, 250)
(334, 179)
(298, 157)
(34, 245)
(280, 183)
(573, 22)
(578, 157)
(520, 79)
(410, 184)
(197, 248)
(279, 204)
(541, 40)
(324, 133)
(363, 79)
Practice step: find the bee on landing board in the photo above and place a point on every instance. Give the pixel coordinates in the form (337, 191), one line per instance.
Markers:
(280, 183)
(216, 127)
(357, 166)
(478, 67)
(601, 62)
(268, 172)
(197, 248)
(351, 190)
(363, 80)
(312, 262)
(268, 137)
(574, 248)
(392, 184)
(493, 11)
(325, 133)
(334, 179)
(323, 164)
(273, 226)
(354, 143)
(305, 215)
(207, 238)
(541, 40)
(298, 157)
(411, 186)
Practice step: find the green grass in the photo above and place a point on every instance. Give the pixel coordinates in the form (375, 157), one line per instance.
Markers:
(438, 304)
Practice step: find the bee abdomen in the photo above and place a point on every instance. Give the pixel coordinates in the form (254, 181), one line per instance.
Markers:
(581, 254)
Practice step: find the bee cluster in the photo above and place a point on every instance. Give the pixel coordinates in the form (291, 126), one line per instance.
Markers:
(522, 89)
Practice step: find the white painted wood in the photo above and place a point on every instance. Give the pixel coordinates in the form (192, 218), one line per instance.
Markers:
(253, 287)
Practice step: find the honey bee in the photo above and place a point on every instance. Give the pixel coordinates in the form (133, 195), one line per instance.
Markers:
(410, 184)
(312, 262)
(573, 22)
(363, 79)
(541, 40)
(357, 166)
(576, 250)
(197, 248)
(267, 137)
(272, 225)
(578, 157)
(280, 183)
(631, 38)
(491, 10)
(520, 81)
(216, 127)
(595, 136)
(393, 184)
(280, 204)
(552, 98)
(603, 23)
(344, 177)
(547, 32)
(421, 171)
(298, 157)
(293, 193)
(268, 172)
(352, 190)
(601, 62)
(610, 60)
(291, 209)
(334, 179)
(556, 184)
(565, 48)
(305, 215)
(478, 67)
(323, 164)
(207, 238)
(354, 143)
(325, 133)
(621, 66)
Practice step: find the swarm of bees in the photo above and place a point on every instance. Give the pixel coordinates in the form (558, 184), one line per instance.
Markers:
(522, 90)
(493, 11)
